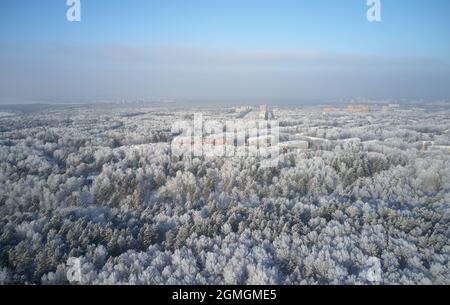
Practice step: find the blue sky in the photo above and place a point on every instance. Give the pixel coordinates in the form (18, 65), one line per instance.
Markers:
(224, 49)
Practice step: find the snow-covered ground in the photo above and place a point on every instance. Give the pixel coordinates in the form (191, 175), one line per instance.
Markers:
(368, 202)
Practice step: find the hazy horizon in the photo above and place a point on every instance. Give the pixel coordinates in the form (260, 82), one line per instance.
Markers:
(223, 50)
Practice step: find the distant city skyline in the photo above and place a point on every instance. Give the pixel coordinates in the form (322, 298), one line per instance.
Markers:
(223, 50)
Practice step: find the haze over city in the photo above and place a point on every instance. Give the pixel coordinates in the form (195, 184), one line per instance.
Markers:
(206, 50)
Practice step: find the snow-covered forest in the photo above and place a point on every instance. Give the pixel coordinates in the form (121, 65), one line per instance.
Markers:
(367, 203)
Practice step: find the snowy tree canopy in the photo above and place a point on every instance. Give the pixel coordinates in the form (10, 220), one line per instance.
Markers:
(99, 184)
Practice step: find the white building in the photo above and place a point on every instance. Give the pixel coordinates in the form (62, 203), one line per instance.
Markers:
(262, 141)
(294, 145)
(243, 109)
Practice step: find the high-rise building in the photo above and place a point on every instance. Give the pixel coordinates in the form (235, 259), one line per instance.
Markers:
(356, 108)
(265, 113)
